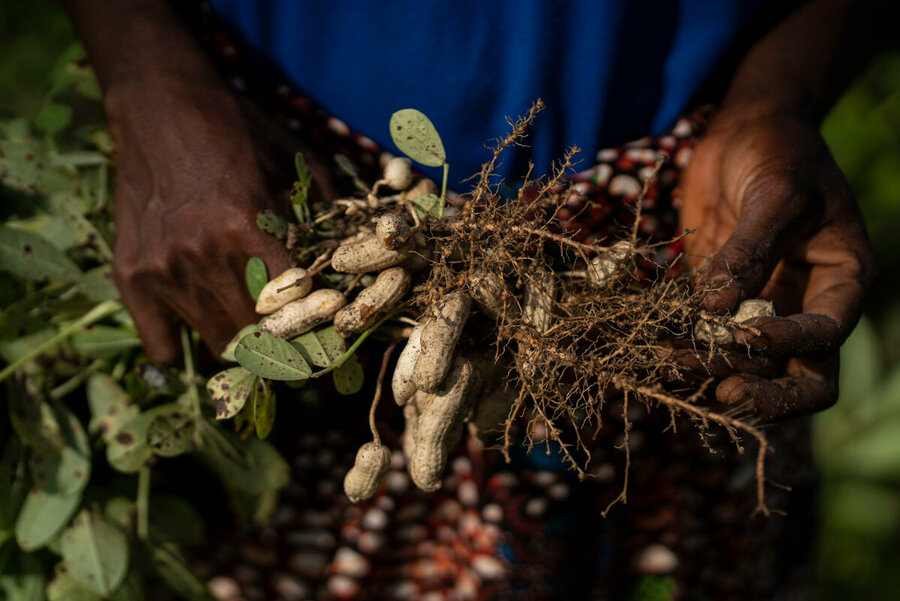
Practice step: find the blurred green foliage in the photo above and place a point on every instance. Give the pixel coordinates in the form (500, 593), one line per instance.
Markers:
(858, 441)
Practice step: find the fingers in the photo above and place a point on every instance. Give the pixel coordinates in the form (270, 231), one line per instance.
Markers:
(700, 365)
(810, 386)
(772, 203)
(157, 324)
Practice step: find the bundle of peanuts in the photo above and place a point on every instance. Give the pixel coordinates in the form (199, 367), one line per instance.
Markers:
(439, 390)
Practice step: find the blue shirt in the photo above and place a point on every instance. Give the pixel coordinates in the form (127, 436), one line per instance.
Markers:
(608, 70)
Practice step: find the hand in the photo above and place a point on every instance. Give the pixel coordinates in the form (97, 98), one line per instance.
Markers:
(189, 189)
(777, 220)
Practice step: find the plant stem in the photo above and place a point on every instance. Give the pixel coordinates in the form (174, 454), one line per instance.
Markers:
(340, 360)
(142, 504)
(384, 363)
(75, 381)
(190, 374)
(444, 187)
(102, 310)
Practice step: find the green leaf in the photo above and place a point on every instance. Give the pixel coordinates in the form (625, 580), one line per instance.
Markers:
(127, 450)
(95, 552)
(61, 472)
(30, 256)
(171, 431)
(82, 230)
(42, 516)
(131, 589)
(229, 390)
(257, 276)
(103, 341)
(110, 406)
(97, 284)
(53, 117)
(346, 165)
(271, 357)
(414, 134)
(174, 520)
(228, 353)
(348, 378)
(121, 512)
(272, 224)
(427, 206)
(63, 587)
(173, 572)
(320, 347)
(25, 162)
(24, 580)
(264, 410)
(131, 447)
(258, 468)
(14, 476)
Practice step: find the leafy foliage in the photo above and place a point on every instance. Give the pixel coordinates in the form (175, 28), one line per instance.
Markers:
(72, 350)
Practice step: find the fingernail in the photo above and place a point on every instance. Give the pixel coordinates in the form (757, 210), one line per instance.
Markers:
(754, 341)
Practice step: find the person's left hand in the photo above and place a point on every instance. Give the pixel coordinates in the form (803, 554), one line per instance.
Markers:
(776, 219)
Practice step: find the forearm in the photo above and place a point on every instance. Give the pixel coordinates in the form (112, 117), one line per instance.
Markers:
(140, 47)
(807, 60)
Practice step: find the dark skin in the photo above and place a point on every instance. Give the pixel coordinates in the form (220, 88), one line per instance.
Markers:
(775, 215)
(769, 205)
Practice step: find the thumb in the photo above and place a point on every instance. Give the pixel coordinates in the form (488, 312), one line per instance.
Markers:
(773, 204)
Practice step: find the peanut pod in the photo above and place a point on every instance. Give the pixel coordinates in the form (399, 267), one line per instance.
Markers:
(492, 406)
(364, 478)
(708, 332)
(411, 419)
(398, 173)
(439, 424)
(420, 188)
(302, 315)
(368, 254)
(420, 256)
(402, 383)
(606, 267)
(491, 411)
(387, 290)
(754, 307)
(540, 293)
(271, 300)
(487, 288)
(392, 231)
(439, 337)
(712, 332)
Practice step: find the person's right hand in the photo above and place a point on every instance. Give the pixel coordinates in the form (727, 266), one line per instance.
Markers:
(189, 189)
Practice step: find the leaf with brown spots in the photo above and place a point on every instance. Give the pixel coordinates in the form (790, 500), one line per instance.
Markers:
(229, 390)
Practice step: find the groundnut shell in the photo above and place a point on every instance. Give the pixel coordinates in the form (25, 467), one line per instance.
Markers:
(439, 424)
(604, 268)
(754, 307)
(368, 254)
(487, 289)
(398, 173)
(709, 333)
(439, 337)
(420, 255)
(540, 293)
(387, 290)
(392, 231)
(402, 383)
(302, 315)
(364, 478)
(271, 300)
